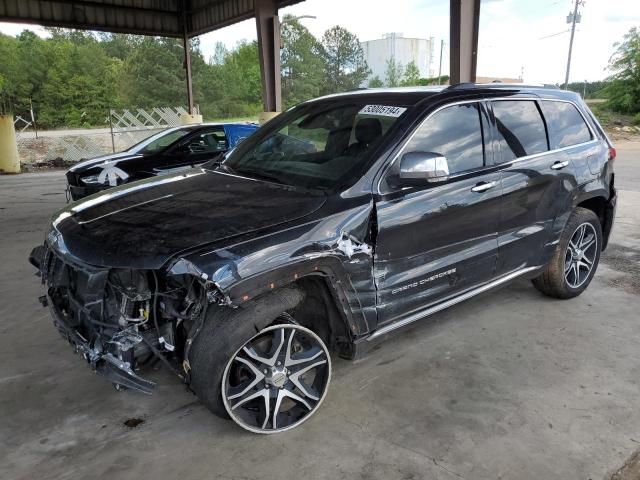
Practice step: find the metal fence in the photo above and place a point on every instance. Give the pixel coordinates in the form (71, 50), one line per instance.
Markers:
(62, 147)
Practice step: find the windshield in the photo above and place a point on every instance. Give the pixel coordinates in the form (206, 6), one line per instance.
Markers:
(319, 145)
(159, 141)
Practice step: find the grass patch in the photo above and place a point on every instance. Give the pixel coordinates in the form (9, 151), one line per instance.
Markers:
(609, 119)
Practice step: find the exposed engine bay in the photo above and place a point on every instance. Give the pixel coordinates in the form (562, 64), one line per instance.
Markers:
(121, 320)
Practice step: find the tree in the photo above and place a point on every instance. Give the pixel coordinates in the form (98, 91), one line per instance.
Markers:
(302, 63)
(624, 91)
(119, 45)
(345, 65)
(393, 74)
(80, 85)
(9, 70)
(411, 75)
(589, 89)
(231, 86)
(375, 82)
(153, 74)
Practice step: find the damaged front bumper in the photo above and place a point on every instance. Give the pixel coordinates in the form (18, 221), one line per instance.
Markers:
(115, 370)
(75, 297)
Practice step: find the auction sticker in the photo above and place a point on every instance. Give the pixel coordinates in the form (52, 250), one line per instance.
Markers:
(383, 110)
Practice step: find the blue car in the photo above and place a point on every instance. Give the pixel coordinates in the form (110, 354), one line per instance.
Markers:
(164, 152)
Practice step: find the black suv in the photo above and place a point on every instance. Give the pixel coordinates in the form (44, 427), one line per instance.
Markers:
(338, 222)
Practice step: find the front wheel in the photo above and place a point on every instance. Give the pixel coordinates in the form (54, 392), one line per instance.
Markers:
(576, 258)
(257, 365)
(277, 379)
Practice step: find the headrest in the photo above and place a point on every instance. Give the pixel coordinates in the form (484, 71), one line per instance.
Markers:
(368, 130)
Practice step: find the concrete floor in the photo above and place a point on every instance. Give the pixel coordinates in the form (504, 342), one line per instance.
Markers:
(508, 385)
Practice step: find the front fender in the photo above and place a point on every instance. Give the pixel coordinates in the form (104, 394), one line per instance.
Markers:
(337, 247)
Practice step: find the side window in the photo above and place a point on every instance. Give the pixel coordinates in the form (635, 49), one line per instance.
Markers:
(520, 129)
(456, 133)
(566, 125)
(208, 141)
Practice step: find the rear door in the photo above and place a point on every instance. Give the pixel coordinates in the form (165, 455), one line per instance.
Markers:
(437, 240)
(568, 130)
(537, 184)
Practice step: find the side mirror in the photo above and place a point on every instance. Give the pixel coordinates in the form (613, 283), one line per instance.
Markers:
(418, 168)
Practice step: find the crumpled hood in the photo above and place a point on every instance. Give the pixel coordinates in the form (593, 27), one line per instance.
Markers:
(144, 224)
(113, 159)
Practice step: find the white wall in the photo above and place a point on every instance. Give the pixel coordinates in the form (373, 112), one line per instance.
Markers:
(405, 50)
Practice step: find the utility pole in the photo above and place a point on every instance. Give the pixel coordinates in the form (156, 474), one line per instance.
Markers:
(440, 66)
(573, 19)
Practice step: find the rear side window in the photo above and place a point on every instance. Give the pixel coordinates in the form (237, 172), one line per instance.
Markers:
(566, 125)
(456, 133)
(520, 129)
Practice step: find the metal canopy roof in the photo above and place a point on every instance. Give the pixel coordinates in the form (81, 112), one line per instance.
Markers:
(167, 18)
(188, 18)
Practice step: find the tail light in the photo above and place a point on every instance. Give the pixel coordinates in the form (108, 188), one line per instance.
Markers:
(612, 154)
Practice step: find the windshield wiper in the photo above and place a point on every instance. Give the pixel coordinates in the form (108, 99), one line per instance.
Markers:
(259, 174)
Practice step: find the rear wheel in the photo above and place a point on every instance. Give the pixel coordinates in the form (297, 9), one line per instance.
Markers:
(576, 258)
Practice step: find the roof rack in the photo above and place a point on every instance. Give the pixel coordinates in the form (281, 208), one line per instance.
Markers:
(464, 85)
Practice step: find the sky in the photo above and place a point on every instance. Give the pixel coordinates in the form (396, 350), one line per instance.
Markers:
(527, 38)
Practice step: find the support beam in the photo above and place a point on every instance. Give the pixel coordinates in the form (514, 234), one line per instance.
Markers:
(463, 39)
(268, 26)
(186, 46)
(186, 43)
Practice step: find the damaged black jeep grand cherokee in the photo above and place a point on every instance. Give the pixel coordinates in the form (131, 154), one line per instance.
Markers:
(341, 220)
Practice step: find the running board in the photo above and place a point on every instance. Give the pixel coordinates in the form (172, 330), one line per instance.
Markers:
(441, 306)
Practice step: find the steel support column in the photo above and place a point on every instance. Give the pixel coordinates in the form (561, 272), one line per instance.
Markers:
(268, 26)
(186, 45)
(187, 66)
(463, 40)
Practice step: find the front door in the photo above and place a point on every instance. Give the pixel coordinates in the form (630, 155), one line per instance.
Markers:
(437, 240)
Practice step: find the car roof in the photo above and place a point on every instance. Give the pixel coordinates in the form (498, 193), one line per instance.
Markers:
(413, 95)
(218, 124)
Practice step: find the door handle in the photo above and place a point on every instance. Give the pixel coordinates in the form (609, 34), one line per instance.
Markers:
(559, 165)
(483, 186)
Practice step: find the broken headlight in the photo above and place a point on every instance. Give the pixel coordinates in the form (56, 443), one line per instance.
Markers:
(90, 179)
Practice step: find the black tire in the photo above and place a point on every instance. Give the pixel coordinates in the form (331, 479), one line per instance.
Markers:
(554, 281)
(224, 331)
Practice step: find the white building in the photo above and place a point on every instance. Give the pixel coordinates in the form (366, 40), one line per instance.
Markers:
(404, 50)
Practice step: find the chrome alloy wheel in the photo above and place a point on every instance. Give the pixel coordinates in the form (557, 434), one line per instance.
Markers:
(277, 379)
(580, 255)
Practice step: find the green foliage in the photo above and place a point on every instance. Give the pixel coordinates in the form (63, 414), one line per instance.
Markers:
(411, 75)
(397, 75)
(302, 63)
(78, 85)
(234, 88)
(73, 78)
(442, 80)
(23, 68)
(345, 65)
(589, 89)
(375, 82)
(624, 91)
(394, 72)
(152, 74)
